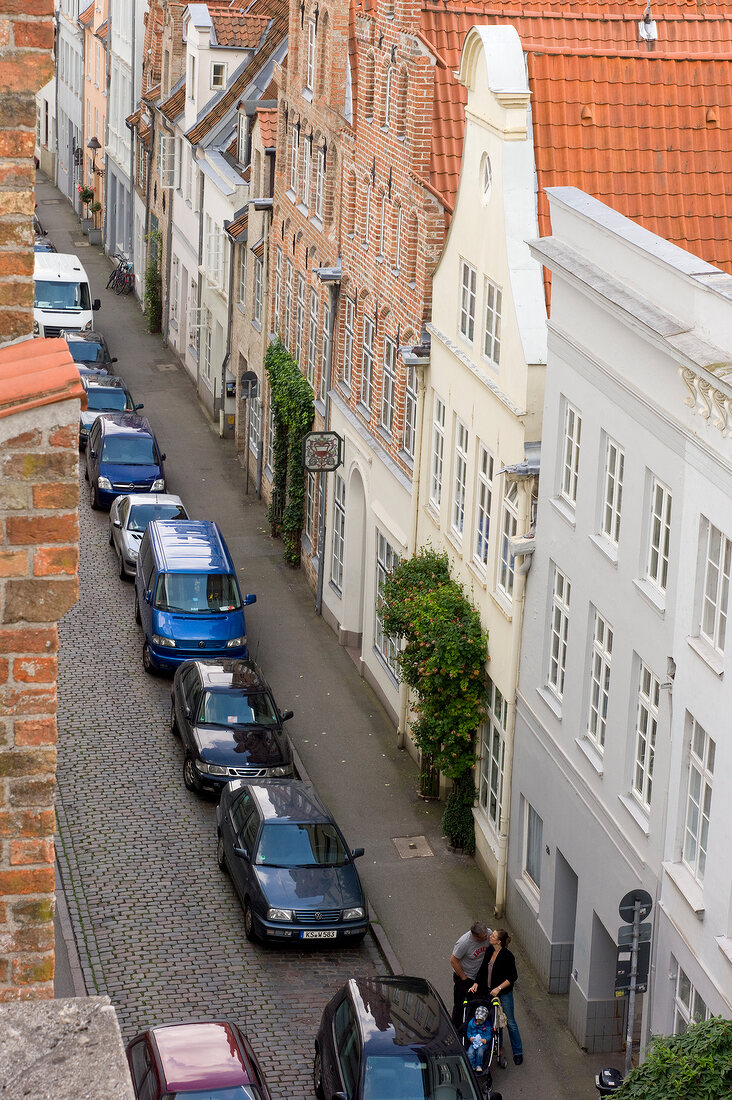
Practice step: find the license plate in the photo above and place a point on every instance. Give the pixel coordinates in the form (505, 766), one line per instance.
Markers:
(320, 935)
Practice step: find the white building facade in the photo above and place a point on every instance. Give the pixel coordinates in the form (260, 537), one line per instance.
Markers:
(125, 78)
(619, 750)
(69, 99)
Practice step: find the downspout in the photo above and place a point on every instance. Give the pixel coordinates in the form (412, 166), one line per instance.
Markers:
(334, 279)
(131, 223)
(227, 355)
(421, 363)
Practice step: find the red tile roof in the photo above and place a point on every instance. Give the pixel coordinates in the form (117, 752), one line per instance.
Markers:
(239, 227)
(234, 27)
(35, 373)
(641, 127)
(268, 126)
(174, 104)
(87, 15)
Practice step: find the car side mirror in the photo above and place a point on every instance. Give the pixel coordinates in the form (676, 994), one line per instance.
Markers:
(93, 454)
(339, 1096)
(116, 523)
(287, 715)
(356, 853)
(187, 710)
(140, 406)
(113, 359)
(148, 596)
(97, 304)
(249, 599)
(242, 853)
(162, 457)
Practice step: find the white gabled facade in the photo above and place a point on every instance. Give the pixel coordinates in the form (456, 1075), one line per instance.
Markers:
(482, 397)
(622, 703)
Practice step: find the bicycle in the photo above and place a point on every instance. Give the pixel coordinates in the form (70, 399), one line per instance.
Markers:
(122, 279)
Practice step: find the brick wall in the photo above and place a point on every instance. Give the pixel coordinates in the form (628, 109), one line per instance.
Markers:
(26, 40)
(39, 551)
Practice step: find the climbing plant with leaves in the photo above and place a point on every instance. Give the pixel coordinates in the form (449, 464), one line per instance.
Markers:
(293, 408)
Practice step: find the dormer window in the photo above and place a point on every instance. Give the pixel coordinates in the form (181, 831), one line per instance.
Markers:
(218, 74)
(242, 139)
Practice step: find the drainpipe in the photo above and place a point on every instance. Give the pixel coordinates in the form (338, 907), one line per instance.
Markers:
(420, 362)
(331, 276)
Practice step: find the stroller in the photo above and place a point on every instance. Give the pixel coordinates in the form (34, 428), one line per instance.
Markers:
(492, 1049)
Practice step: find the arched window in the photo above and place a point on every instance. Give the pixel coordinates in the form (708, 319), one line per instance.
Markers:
(349, 212)
(400, 106)
(368, 85)
(386, 103)
(409, 245)
(396, 246)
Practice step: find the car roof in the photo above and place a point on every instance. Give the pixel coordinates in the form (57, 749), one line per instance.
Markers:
(124, 424)
(228, 672)
(150, 498)
(81, 334)
(286, 800)
(190, 546)
(387, 1027)
(57, 265)
(110, 381)
(200, 1056)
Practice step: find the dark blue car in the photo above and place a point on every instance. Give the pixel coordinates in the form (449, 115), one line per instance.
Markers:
(122, 456)
(292, 869)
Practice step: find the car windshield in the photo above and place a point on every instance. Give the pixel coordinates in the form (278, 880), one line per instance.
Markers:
(86, 351)
(237, 708)
(130, 450)
(141, 514)
(239, 1092)
(57, 295)
(290, 845)
(103, 399)
(197, 593)
(407, 1075)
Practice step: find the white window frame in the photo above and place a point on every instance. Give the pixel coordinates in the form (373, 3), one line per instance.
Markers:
(324, 348)
(307, 158)
(319, 181)
(312, 338)
(461, 442)
(278, 288)
(270, 436)
(646, 730)
(294, 159)
(367, 216)
(349, 333)
(438, 452)
(612, 504)
(689, 1007)
(572, 438)
(388, 384)
(659, 535)
(175, 289)
(717, 559)
(387, 96)
(385, 645)
(367, 361)
(258, 290)
(558, 633)
(218, 74)
(254, 412)
(601, 650)
(398, 238)
(382, 226)
(533, 847)
(243, 277)
(468, 290)
(205, 339)
(410, 409)
(309, 506)
(483, 506)
(299, 318)
(337, 557)
(492, 754)
(698, 800)
(242, 138)
(509, 530)
(492, 322)
(289, 274)
(310, 57)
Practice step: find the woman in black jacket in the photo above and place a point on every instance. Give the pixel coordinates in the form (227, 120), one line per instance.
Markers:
(497, 977)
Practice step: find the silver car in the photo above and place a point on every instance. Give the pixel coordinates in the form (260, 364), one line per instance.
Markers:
(128, 518)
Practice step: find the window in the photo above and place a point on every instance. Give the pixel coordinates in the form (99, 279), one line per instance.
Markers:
(492, 323)
(698, 800)
(387, 385)
(242, 139)
(325, 351)
(310, 60)
(191, 77)
(397, 237)
(571, 454)
(218, 74)
(438, 450)
(339, 531)
(312, 338)
(367, 362)
(309, 504)
(299, 317)
(483, 502)
(533, 844)
(689, 1008)
(386, 559)
(367, 216)
(558, 630)
(646, 726)
(613, 502)
(509, 527)
(660, 535)
(294, 158)
(382, 225)
(307, 158)
(270, 436)
(255, 423)
(717, 551)
(319, 181)
(492, 753)
(206, 346)
(348, 335)
(459, 477)
(600, 654)
(258, 278)
(467, 300)
(288, 303)
(387, 97)
(277, 288)
(243, 277)
(175, 290)
(410, 408)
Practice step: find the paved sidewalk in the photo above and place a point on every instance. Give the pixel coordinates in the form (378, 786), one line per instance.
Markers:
(343, 737)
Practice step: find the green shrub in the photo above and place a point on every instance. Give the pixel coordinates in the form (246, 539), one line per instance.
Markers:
(293, 408)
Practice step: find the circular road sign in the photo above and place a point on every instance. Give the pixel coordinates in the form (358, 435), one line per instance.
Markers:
(627, 904)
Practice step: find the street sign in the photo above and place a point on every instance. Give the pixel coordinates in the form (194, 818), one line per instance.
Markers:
(322, 451)
(249, 384)
(624, 969)
(627, 905)
(625, 933)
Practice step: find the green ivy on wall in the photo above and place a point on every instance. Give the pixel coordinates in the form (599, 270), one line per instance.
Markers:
(443, 661)
(293, 409)
(153, 302)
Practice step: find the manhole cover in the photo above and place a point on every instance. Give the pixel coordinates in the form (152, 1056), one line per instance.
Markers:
(49, 202)
(165, 366)
(80, 241)
(410, 847)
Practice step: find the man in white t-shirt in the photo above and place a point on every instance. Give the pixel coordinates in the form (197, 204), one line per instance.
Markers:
(467, 955)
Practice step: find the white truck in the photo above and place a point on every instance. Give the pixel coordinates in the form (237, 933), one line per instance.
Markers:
(62, 299)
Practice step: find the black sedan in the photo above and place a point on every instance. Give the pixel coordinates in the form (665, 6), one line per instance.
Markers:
(230, 725)
(291, 867)
(391, 1039)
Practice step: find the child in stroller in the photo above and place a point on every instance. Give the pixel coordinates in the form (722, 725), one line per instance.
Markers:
(479, 1019)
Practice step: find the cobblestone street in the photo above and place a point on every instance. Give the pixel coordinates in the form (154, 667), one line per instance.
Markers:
(158, 926)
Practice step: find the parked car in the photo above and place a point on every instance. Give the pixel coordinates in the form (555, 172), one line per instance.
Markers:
(104, 393)
(89, 349)
(41, 244)
(391, 1039)
(128, 519)
(122, 456)
(187, 596)
(289, 863)
(231, 728)
(210, 1060)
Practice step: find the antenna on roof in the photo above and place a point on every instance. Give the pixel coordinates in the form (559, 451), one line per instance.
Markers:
(647, 27)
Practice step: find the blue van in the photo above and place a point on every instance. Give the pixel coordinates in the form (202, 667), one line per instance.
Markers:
(122, 456)
(187, 597)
